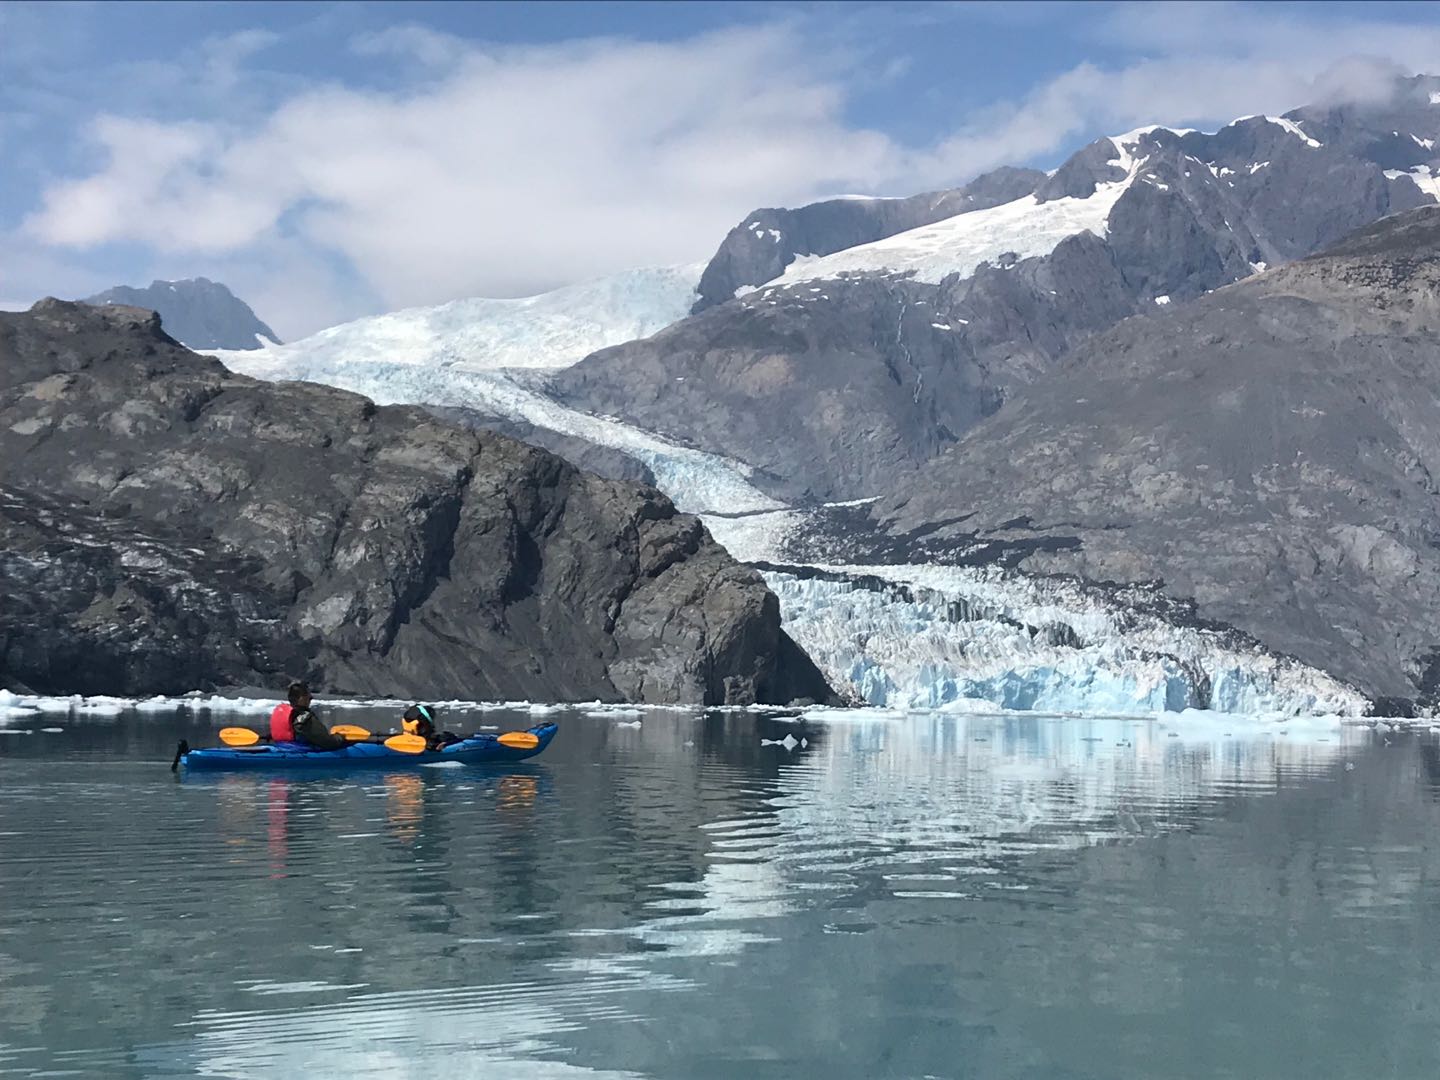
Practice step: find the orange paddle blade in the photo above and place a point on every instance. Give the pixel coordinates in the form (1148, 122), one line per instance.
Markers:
(406, 744)
(519, 740)
(238, 736)
(350, 731)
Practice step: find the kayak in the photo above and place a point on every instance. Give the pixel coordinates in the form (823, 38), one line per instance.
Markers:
(481, 747)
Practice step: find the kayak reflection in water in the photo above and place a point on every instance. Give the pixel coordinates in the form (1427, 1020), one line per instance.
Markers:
(420, 720)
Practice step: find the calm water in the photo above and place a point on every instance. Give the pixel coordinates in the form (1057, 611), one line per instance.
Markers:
(914, 897)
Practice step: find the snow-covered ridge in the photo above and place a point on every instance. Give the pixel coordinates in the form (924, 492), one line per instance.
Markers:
(1025, 228)
(945, 637)
(552, 330)
(958, 245)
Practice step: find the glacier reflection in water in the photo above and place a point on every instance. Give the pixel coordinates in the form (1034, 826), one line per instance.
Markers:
(883, 894)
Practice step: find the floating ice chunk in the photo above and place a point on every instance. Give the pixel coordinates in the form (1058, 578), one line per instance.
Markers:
(837, 715)
(789, 742)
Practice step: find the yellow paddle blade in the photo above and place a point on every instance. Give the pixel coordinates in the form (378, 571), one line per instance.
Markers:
(519, 740)
(238, 736)
(350, 731)
(406, 744)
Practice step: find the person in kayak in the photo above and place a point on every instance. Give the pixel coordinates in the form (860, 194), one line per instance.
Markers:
(281, 729)
(305, 726)
(420, 720)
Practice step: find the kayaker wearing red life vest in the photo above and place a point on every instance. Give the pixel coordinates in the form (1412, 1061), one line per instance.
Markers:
(296, 722)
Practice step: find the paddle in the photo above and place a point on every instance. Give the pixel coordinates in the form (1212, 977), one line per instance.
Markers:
(353, 732)
(406, 744)
(518, 740)
(238, 736)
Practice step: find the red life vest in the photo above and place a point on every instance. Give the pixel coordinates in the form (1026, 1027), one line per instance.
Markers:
(281, 729)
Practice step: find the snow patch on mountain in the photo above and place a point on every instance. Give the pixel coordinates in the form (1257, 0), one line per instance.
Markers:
(944, 637)
(1425, 177)
(552, 330)
(1294, 129)
(1022, 229)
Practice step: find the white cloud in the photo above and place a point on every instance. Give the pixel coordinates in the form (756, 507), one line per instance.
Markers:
(426, 47)
(504, 171)
(523, 169)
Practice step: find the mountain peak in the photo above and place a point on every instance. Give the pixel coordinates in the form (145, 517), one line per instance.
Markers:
(201, 313)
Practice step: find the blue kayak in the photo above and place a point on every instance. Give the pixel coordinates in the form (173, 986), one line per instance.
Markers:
(288, 755)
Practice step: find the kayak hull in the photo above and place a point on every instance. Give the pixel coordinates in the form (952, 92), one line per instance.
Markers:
(474, 749)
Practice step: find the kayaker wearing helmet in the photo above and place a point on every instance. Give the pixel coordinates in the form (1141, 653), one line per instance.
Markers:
(420, 720)
(305, 726)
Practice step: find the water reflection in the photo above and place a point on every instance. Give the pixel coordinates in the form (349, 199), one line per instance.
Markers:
(1031, 896)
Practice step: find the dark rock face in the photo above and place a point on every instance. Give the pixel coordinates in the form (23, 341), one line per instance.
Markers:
(166, 524)
(1269, 451)
(765, 243)
(843, 387)
(199, 312)
(591, 457)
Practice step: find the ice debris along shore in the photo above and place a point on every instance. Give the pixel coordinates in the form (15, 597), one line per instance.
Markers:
(20, 707)
(927, 637)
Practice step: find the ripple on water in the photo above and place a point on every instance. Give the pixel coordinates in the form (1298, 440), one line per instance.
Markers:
(678, 899)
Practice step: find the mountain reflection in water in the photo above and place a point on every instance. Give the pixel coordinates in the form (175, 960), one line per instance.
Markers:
(902, 896)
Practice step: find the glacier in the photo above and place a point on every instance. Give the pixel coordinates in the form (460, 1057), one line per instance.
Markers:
(936, 637)
(551, 330)
(694, 480)
(905, 637)
(480, 354)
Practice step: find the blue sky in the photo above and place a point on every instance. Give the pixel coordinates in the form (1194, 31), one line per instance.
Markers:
(332, 160)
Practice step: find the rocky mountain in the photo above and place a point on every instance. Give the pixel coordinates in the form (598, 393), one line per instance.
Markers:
(166, 524)
(1266, 455)
(606, 461)
(201, 313)
(847, 372)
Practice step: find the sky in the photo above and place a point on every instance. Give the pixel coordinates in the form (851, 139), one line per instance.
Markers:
(328, 161)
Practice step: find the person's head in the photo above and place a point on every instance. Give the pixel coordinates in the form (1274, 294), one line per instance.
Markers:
(419, 720)
(299, 694)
